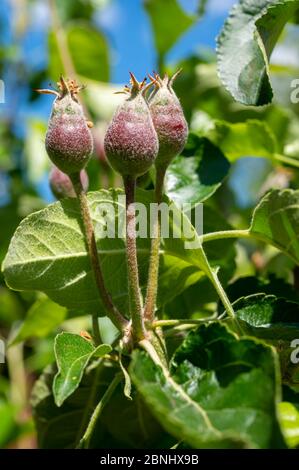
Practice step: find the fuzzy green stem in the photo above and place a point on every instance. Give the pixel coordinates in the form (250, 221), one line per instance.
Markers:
(166, 323)
(157, 340)
(288, 160)
(207, 237)
(153, 273)
(212, 274)
(150, 349)
(247, 234)
(85, 441)
(213, 277)
(112, 312)
(17, 375)
(222, 294)
(90, 401)
(132, 262)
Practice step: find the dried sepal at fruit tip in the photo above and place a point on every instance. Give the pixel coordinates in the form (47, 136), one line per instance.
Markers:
(61, 185)
(134, 87)
(168, 118)
(69, 141)
(131, 142)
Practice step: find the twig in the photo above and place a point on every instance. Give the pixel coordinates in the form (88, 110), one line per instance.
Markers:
(84, 442)
(133, 275)
(153, 273)
(112, 312)
(165, 323)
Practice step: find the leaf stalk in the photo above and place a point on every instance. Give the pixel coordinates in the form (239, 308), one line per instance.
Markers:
(85, 441)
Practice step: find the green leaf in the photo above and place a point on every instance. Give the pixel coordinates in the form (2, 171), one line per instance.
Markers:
(177, 273)
(55, 64)
(202, 5)
(196, 178)
(76, 9)
(6, 162)
(102, 99)
(36, 158)
(245, 45)
(10, 219)
(276, 221)
(250, 285)
(42, 318)
(128, 383)
(222, 391)
(130, 424)
(122, 424)
(252, 138)
(11, 308)
(88, 50)
(72, 355)
(8, 423)
(289, 421)
(48, 253)
(288, 355)
(268, 317)
(220, 253)
(63, 427)
(280, 265)
(169, 21)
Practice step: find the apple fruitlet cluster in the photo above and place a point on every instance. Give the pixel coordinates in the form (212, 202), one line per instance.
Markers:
(143, 131)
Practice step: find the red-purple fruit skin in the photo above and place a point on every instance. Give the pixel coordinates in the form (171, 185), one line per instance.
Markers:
(131, 142)
(170, 123)
(68, 141)
(61, 184)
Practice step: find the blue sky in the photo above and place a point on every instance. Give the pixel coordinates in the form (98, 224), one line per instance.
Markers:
(129, 35)
(128, 30)
(130, 39)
